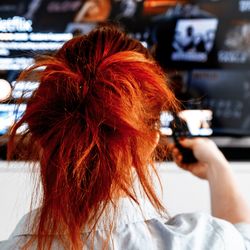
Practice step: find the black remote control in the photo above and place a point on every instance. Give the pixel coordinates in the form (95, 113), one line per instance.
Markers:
(180, 129)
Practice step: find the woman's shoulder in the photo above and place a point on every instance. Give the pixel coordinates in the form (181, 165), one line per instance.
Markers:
(23, 230)
(12, 243)
(183, 231)
(208, 231)
(26, 226)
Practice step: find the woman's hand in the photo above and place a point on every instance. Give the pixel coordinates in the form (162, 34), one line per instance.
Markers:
(227, 201)
(207, 154)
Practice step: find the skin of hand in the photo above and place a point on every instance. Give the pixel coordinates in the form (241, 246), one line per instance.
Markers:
(227, 200)
(207, 154)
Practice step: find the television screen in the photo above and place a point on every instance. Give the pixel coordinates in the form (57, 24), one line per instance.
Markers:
(204, 46)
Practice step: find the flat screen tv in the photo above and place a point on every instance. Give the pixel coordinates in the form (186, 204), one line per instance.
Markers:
(203, 45)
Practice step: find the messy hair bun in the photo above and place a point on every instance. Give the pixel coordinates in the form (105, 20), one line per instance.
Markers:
(92, 118)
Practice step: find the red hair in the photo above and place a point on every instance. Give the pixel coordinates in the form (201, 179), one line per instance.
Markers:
(92, 118)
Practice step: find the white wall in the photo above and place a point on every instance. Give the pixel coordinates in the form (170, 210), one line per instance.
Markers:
(15, 195)
(182, 191)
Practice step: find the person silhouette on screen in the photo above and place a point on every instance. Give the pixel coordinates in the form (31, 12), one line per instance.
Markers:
(190, 42)
(189, 39)
(184, 43)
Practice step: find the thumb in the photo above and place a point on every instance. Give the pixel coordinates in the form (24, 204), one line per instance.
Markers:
(187, 143)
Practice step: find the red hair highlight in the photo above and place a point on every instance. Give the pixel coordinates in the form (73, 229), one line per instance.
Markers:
(92, 118)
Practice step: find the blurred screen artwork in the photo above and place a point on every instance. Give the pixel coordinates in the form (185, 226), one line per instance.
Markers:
(23, 89)
(235, 48)
(9, 114)
(197, 123)
(193, 39)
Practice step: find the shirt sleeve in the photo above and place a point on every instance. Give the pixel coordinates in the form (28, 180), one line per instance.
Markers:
(244, 230)
(202, 231)
(234, 236)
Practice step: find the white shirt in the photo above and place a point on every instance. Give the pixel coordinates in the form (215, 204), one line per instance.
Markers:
(146, 229)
